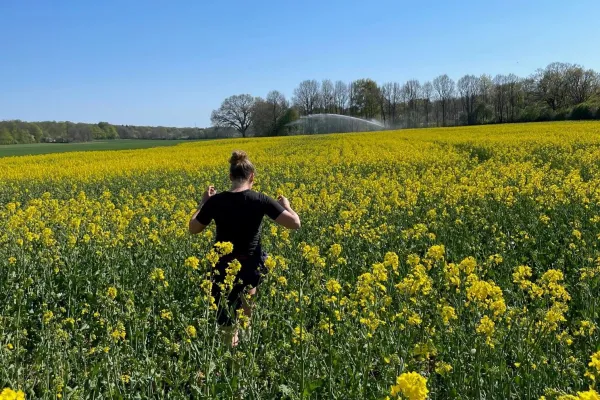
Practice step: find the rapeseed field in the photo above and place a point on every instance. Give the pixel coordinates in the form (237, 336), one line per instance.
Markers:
(437, 263)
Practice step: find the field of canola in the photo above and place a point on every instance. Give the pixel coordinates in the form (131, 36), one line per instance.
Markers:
(444, 263)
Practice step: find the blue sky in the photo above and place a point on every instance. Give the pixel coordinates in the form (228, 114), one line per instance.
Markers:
(171, 63)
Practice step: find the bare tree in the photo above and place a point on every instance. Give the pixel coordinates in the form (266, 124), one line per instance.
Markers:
(390, 99)
(581, 84)
(515, 96)
(468, 86)
(327, 96)
(340, 95)
(411, 91)
(500, 99)
(306, 96)
(552, 85)
(427, 93)
(235, 112)
(486, 87)
(444, 86)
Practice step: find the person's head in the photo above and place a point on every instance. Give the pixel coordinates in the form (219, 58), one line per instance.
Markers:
(241, 169)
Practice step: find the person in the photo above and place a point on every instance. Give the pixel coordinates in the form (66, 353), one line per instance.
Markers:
(238, 214)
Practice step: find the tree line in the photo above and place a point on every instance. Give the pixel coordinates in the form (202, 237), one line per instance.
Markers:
(20, 132)
(558, 92)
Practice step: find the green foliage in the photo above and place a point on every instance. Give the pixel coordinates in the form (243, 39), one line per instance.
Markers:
(290, 115)
(583, 111)
(21, 132)
(365, 98)
(6, 137)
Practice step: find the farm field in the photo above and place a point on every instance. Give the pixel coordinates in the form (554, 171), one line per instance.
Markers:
(436, 263)
(48, 148)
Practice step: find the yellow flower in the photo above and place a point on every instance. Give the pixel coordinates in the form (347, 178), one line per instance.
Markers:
(125, 379)
(391, 260)
(411, 385)
(157, 275)
(443, 368)
(436, 252)
(335, 250)
(47, 317)
(9, 394)
(487, 327)
(589, 395)
(448, 313)
(270, 263)
(300, 335)
(118, 333)
(327, 326)
(191, 262)
(230, 275)
(166, 314)
(333, 286)
(191, 331)
(414, 319)
(468, 265)
(224, 248)
(111, 292)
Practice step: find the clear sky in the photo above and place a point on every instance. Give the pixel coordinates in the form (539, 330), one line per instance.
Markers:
(171, 63)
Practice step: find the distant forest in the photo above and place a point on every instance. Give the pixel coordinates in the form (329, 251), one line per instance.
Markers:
(558, 92)
(15, 132)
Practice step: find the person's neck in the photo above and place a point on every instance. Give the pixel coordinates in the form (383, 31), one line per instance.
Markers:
(240, 187)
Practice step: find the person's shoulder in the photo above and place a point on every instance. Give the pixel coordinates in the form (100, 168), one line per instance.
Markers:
(215, 198)
(253, 194)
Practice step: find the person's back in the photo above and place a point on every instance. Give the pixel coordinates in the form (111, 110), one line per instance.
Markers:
(238, 214)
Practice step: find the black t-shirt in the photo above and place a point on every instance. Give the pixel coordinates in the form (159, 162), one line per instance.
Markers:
(238, 216)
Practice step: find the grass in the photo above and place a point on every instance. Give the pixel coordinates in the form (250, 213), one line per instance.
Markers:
(47, 148)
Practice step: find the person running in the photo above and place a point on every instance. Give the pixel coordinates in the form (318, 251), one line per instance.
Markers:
(238, 214)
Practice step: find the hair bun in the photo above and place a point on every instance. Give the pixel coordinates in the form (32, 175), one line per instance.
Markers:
(238, 157)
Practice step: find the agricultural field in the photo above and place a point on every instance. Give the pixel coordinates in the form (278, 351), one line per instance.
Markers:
(458, 263)
(97, 145)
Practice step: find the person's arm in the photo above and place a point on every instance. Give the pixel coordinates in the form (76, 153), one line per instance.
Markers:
(202, 216)
(288, 218)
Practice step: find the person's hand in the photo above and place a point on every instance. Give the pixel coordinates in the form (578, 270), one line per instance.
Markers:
(285, 203)
(210, 192)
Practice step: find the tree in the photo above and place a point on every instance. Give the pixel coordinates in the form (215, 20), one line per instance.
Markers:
(444, 86)
(581, 84)
(306, 96)
(411, 90)
(235, 112)
(427, 93)
(268, 114)
(340, 95)
(6, 137)
(552, 85)
(390, 99)
(468, 87)
(500, 99)
(36, 132)
(515, 97)
(365, 98)
(327, 96)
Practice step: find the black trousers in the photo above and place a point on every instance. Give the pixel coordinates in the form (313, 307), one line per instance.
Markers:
(249, 276)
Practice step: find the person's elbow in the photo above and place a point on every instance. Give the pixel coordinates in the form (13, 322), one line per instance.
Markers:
(194, 227)
(288, 220)
(295, 224)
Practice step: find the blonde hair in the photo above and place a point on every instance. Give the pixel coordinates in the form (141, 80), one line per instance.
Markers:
(240, 167)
